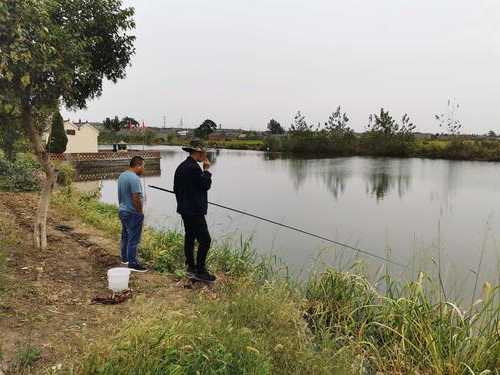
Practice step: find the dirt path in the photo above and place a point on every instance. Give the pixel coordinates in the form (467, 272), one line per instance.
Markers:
(45, 296)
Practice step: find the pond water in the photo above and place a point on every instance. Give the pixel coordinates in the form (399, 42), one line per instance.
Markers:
(424, 213)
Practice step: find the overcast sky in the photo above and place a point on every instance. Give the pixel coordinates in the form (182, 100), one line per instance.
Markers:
(241, 63)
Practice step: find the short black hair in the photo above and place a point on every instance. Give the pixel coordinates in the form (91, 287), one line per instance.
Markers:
(136, 161)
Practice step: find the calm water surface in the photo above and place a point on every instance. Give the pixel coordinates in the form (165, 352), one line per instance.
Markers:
(416, 210)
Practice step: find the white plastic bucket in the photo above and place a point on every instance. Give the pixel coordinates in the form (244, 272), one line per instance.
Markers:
(118, 279)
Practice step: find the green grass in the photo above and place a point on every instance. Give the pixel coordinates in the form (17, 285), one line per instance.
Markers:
(239, 144)
(26, 356)
(263, 322)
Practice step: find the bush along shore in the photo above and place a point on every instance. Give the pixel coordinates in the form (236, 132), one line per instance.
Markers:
(264, 322)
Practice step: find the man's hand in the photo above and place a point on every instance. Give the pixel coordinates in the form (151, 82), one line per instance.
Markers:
(206, 164)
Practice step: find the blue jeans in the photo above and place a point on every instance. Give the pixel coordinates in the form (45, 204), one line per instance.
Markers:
(131, 236)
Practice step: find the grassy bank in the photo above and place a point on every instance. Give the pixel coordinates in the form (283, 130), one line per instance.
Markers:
(258, 321)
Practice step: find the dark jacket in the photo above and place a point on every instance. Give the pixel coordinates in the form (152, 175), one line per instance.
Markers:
(191, 184)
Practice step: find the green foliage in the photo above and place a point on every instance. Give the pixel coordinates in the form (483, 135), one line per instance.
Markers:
(405, 330)
(112, 125)
(448, 120)
(175, 344)
(89, 209)
(62, 49)
(228, 336)
(275, 127)
(25, 358)
(58, 139)
(206, 128)
(20, 175)
(126, 121)
(337, 126)
(386, 137)
(66, 174)
(66, 41)
(11, 136)
(299, 127)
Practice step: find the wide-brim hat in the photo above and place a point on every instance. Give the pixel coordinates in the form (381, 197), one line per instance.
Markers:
(195, 145)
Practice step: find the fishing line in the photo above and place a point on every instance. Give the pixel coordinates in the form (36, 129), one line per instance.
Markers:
(297, 230)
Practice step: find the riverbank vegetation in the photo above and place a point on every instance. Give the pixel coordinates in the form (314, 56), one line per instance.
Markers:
(256, 319)
(384, 135)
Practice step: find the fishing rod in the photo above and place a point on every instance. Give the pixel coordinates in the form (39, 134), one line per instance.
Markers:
(297, 230)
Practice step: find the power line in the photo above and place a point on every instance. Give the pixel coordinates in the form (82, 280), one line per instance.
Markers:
(357, 249)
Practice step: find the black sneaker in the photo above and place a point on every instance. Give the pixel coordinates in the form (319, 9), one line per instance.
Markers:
(205, 276)
(190, 271)
(137, 268)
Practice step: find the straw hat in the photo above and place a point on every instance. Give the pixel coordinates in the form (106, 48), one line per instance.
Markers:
(195, 145)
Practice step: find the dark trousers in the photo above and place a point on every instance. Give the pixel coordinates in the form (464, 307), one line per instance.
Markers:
(196, 228)
(131, 236)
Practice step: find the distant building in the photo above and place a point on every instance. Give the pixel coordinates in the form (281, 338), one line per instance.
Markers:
(82, 137)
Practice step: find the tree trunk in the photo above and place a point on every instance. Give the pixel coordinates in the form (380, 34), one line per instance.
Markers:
(38, 148)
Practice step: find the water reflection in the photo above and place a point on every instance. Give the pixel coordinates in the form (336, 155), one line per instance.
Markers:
(299, 171)
(335, 176)
(384, 175)
(381, 176)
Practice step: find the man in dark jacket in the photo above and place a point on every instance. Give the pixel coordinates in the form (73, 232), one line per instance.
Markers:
(191, 184)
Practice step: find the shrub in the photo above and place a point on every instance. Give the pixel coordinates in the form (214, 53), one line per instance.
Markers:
(20, 175)
(65, 174)
(58, 139)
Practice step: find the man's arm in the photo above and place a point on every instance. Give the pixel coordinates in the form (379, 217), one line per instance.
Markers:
(136, 189)
(201, 178)
(137, 202)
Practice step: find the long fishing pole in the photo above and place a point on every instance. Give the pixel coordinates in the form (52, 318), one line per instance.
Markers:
(296, 230)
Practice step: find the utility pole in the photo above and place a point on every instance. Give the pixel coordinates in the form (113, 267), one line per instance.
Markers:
(164, 121)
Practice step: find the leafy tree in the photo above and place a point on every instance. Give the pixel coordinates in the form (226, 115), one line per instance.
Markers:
(385, 136)
(275, 127)
(299, 126)
(406, 128)
(58, 51)
(107, 124)
(124, 123)
(386, 125)
(492, 134)
(58, 140)
(449, 121)
(206, 128)
(336, 126)
(382, 123)
(115, 124)
(10, 136)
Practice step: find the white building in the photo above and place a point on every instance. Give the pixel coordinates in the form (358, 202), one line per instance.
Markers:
(82, 137)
